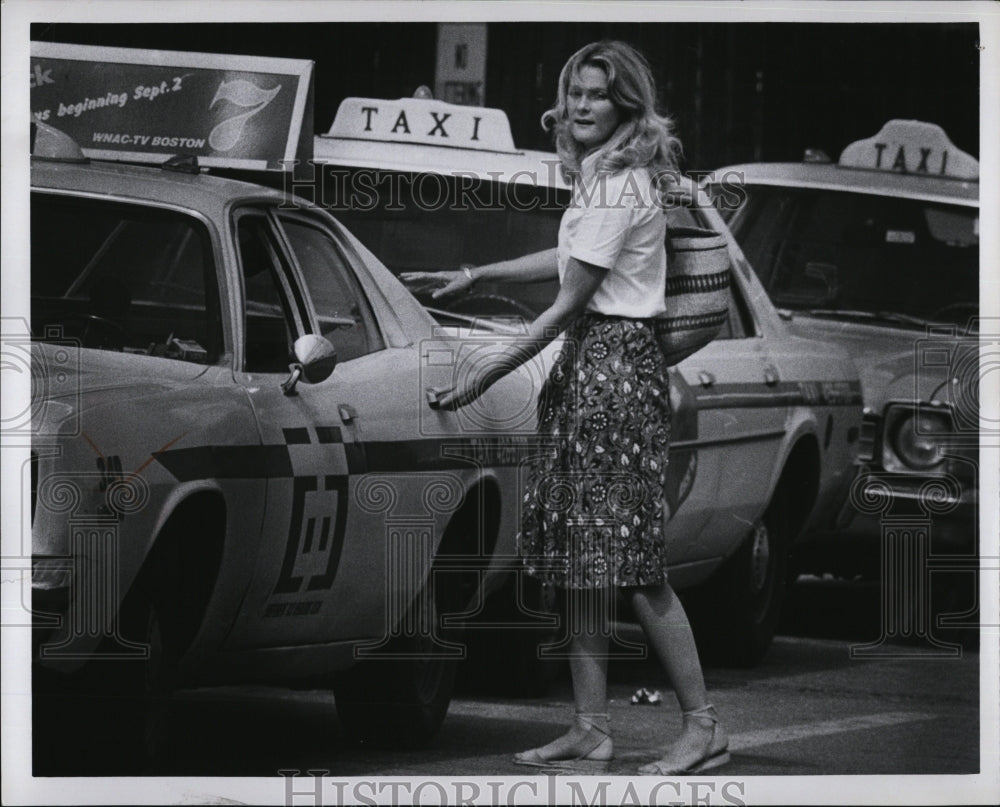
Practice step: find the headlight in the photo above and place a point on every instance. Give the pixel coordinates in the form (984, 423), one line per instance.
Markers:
(915, 439)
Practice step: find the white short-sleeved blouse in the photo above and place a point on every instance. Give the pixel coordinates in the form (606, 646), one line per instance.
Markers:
(614, 221)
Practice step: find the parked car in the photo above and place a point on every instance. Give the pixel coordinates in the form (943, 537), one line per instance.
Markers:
(235, 473)
(878, 254)
(766, 425)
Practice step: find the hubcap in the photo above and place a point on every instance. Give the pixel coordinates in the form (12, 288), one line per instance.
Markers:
(760, 557)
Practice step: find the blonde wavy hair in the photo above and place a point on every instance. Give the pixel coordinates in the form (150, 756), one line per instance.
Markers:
(644, 138)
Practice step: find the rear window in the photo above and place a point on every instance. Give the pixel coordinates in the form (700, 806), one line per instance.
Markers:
(124, 277)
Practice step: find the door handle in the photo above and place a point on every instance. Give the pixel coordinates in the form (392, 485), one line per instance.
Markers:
(347, 413)
(706, 378)
(771, 376)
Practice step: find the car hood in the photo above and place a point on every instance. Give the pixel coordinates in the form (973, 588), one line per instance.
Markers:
(887, 358)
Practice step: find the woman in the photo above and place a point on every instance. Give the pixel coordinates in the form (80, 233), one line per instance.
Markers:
(593, 510)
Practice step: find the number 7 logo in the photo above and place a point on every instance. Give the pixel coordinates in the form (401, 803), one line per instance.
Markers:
(243, 94)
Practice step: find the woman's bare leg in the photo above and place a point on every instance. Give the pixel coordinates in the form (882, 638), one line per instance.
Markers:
(668, 632)
(589, 628)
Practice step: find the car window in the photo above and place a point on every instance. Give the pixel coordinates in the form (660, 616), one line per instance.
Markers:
(269, 308)
(855, 252)
(343, 313)
(124, 277)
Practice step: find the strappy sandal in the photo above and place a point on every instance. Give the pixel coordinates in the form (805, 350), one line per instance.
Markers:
(595, 758)
(716, 752)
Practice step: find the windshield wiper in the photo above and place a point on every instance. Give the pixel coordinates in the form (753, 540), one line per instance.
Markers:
(479, 322)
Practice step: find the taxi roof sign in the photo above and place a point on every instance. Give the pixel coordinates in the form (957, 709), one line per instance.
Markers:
(425, 122)
(911, 147)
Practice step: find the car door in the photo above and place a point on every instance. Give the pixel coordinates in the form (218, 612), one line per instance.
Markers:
(311, 449)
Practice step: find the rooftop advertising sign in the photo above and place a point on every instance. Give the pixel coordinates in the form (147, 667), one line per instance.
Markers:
(149, 105)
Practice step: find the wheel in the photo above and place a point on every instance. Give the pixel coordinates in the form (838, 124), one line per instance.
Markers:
(112, 717)
(400, 697)
(506, 660)
(149, 686)
(135, 693)
(736, 612)
(115, 715)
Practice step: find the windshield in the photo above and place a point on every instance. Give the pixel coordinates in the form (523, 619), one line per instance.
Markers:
(431, 222)
(862, 256)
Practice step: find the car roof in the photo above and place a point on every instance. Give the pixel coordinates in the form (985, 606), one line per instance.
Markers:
(201, 192)
(859, 180)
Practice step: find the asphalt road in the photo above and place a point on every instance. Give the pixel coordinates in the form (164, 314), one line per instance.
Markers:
(811, 708)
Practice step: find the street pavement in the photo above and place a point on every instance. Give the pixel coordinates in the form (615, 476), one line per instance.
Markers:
(813, 707)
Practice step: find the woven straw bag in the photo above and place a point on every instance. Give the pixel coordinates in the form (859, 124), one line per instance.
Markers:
(697, 292)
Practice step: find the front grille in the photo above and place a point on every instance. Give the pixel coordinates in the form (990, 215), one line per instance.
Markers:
(869, 437)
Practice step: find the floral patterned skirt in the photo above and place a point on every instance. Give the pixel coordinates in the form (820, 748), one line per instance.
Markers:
(593, 507)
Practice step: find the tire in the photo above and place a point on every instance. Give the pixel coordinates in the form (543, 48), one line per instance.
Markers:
(399, 697)
(505, 661)
(111, 718)
(399, 700)
(136, 693)
(736, 612)
(147, 687)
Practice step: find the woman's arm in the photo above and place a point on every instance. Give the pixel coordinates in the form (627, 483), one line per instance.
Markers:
(528, 268)
(536, 266)
(578, 286)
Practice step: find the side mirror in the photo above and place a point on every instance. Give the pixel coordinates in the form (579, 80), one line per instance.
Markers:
(315, 360)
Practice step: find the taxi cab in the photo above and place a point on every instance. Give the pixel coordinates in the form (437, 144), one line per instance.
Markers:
(878, 254)
(235, 474)
(766, 425)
